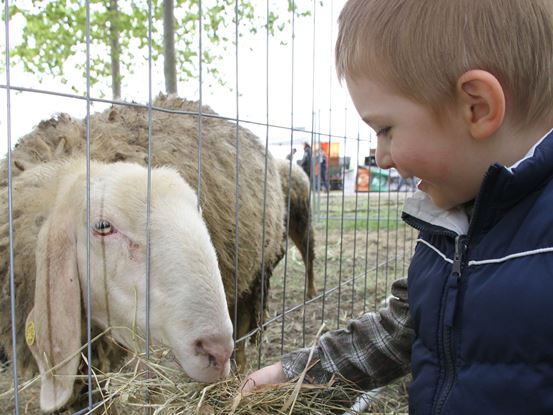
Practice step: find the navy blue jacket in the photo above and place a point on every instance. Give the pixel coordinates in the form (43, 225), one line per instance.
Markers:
(481, 296)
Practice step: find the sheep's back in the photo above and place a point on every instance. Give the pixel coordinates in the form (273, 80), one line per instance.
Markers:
(121, 133)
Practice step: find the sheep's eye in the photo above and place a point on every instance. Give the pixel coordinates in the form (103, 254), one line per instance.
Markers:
(103, 227)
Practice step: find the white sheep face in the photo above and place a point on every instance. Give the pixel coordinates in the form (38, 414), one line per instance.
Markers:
(188, 308)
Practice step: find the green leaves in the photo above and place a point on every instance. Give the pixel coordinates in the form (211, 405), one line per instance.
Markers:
(54, 34)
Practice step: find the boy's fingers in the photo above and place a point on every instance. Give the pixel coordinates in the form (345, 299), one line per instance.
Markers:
(247, 386)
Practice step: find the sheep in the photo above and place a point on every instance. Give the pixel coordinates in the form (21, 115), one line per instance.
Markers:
(121, 134)
(189, 313)
(300, 228)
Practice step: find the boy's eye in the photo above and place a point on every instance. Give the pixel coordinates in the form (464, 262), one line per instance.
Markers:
(383, 131)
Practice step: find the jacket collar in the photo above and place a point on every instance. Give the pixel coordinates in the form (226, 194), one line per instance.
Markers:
(502, 187)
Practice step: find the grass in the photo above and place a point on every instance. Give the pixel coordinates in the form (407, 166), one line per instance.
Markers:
(348, 224)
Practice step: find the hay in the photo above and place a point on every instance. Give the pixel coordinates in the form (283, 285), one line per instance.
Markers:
(183, 397)
(147, 386)
(143, 383)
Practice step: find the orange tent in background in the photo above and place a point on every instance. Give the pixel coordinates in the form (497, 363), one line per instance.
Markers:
(331, 149)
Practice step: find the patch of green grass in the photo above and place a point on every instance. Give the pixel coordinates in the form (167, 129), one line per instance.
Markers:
(350, 224)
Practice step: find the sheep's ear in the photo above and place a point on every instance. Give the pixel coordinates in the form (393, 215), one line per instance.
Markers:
(53, 328)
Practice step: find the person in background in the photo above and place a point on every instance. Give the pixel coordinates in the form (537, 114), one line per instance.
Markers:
(323, 172)
(460, 94)
(291, 155)
(305, 162)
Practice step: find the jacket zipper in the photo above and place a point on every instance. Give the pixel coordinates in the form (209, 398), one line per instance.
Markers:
(423, 226)
(447, 318)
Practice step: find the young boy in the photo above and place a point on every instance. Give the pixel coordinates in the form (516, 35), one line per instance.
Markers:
(460, 93)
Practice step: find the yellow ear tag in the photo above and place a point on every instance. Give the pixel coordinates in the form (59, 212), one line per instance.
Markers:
(30, 333)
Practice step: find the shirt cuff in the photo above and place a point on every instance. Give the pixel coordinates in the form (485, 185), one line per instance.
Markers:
(294, 363)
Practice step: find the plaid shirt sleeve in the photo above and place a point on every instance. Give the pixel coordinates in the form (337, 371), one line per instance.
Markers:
(371, 351)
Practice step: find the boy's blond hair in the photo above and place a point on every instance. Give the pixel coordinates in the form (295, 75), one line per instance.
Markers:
(421, 47)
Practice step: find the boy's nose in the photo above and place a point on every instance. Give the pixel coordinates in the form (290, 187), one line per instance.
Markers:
(383, 155)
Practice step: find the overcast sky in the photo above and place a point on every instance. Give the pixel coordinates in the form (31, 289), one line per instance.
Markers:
(27, 109)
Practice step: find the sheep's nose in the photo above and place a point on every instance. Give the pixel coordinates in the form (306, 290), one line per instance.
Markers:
(218, 349)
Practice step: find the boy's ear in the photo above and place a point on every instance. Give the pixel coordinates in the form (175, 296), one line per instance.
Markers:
(482, 102)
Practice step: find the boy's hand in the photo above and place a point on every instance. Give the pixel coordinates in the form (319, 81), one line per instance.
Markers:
(267, 375)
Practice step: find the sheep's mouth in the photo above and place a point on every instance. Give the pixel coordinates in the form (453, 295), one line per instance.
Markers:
(168, 356)
(170, 359)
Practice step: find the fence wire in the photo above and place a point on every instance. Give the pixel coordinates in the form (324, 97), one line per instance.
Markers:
(360, 244)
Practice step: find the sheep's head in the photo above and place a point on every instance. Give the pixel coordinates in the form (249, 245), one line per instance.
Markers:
(187, 306)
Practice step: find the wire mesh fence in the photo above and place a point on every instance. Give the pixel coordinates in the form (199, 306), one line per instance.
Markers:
(272, 88)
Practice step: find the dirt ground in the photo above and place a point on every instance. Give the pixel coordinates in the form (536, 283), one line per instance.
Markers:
(355, 266)
(359, 252)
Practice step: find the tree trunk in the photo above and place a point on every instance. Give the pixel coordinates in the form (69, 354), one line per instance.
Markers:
(170, 64)
(115, 50)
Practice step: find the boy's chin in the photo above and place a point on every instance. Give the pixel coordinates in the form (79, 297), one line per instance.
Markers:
(440, 200)
(444, 206)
